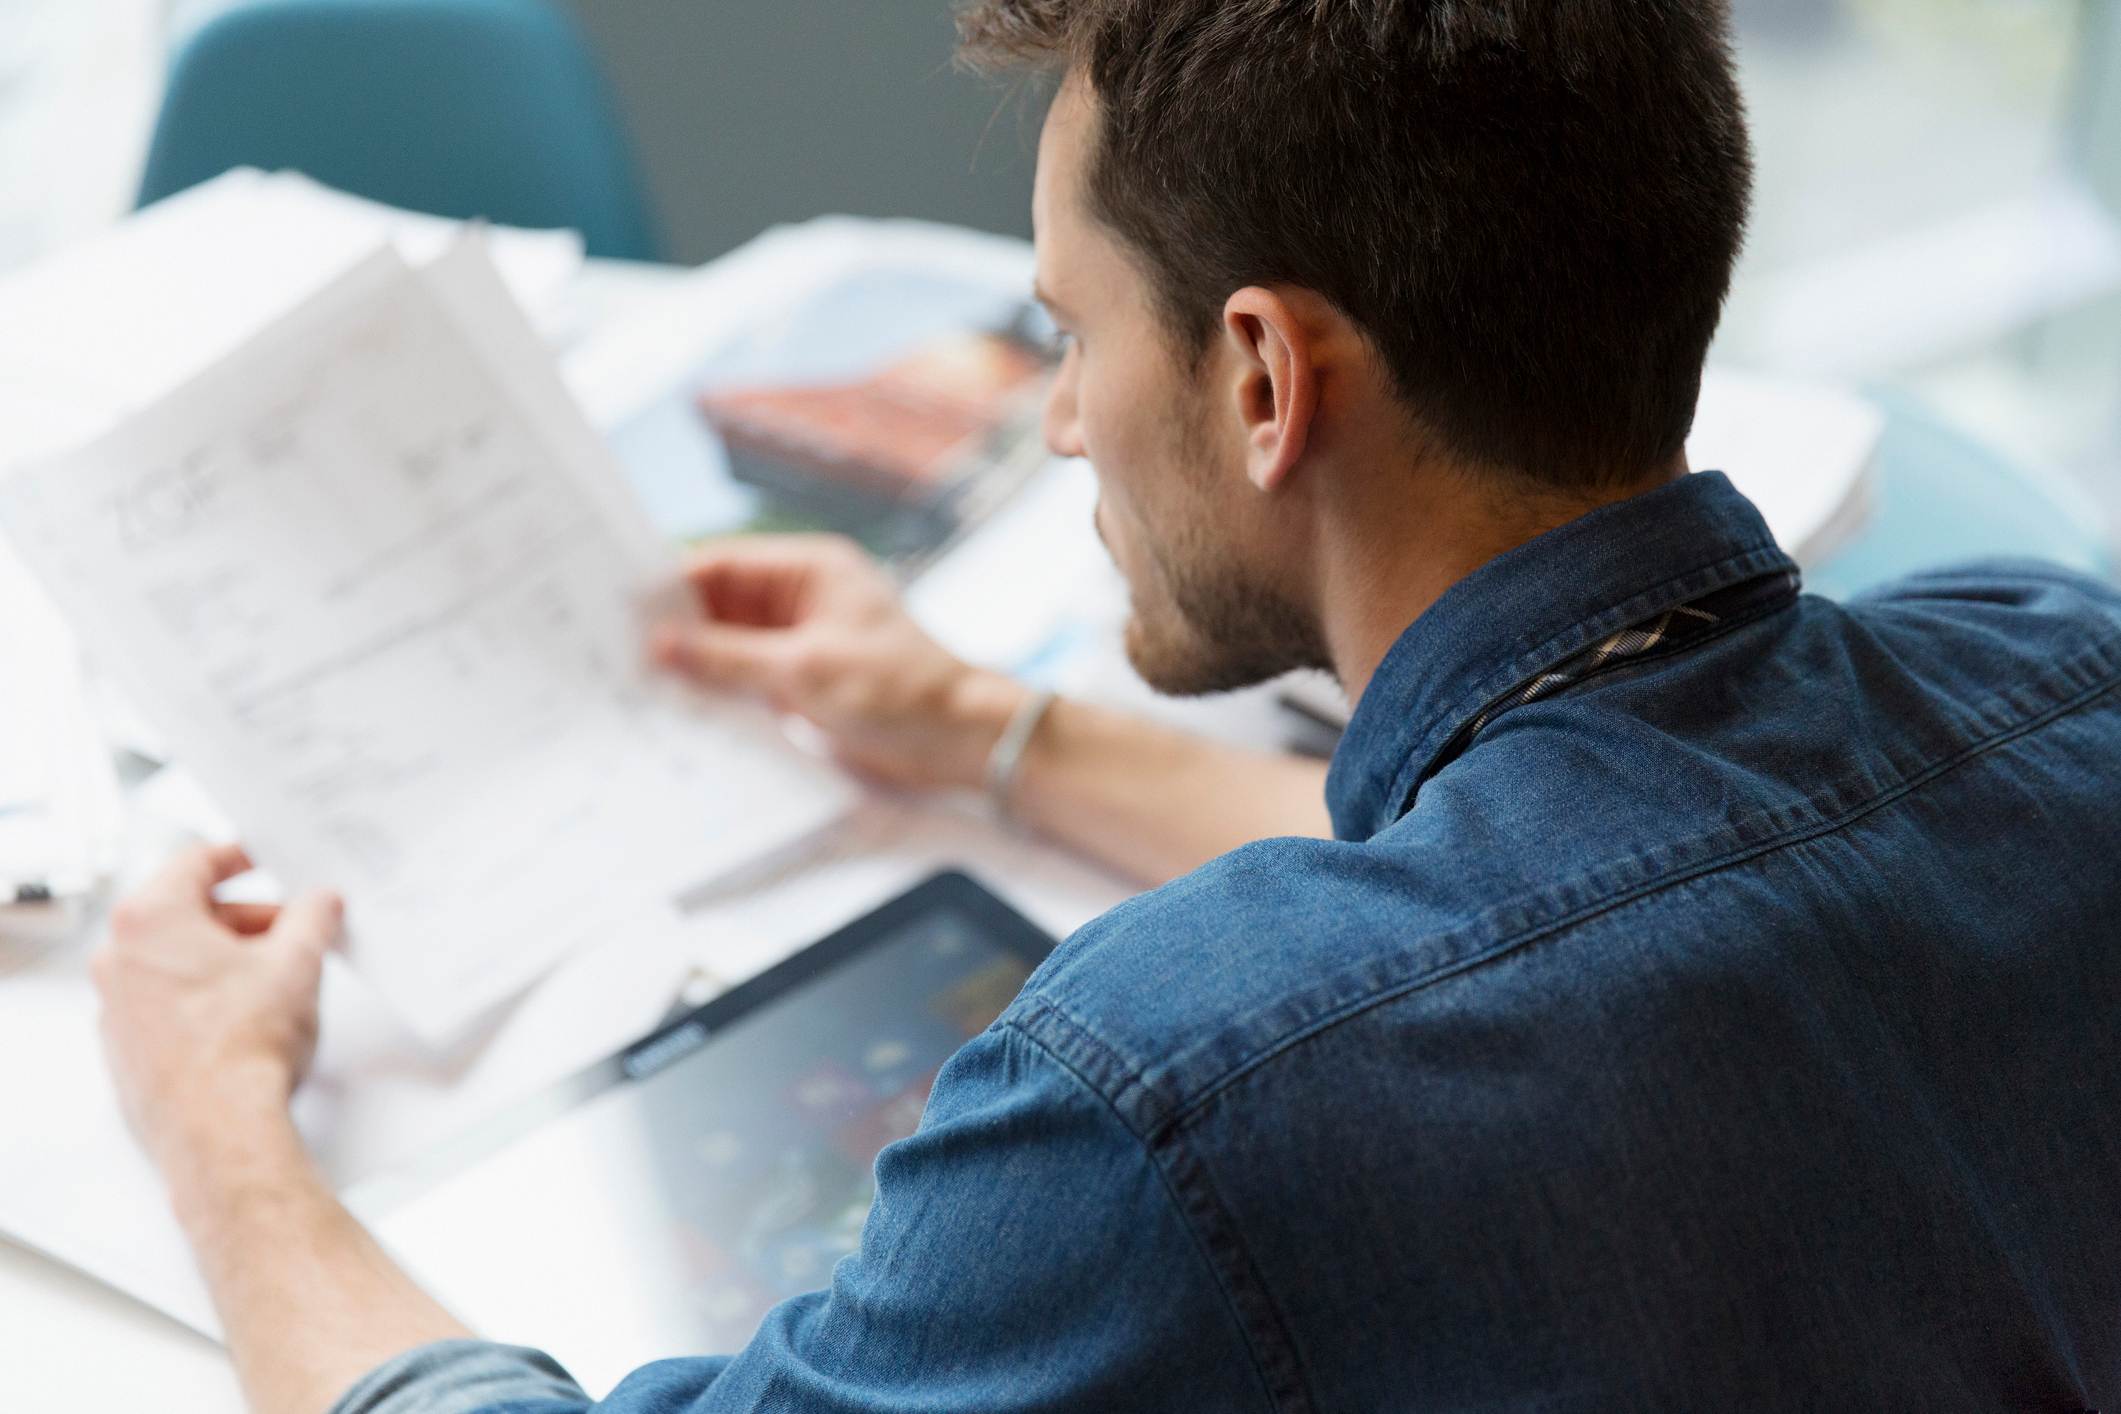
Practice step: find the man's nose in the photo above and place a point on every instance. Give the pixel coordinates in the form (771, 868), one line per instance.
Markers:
(1062, 428)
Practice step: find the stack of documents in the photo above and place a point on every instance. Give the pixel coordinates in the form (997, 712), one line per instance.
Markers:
(103, 327)
(381, 590)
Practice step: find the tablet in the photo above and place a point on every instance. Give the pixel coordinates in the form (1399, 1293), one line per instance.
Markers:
(660, 1202)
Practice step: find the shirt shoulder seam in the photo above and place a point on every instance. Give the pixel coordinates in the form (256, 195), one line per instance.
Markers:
(1756, 558)
(1275, 1366)
(1794, 834)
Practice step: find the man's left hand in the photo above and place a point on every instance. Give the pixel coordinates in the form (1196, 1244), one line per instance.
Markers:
(209, 1009)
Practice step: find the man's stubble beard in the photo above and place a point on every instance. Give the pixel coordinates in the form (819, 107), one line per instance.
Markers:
(1210, 624)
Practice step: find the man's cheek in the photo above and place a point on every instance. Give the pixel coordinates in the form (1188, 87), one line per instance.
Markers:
(1120, 533)
(1113, 522)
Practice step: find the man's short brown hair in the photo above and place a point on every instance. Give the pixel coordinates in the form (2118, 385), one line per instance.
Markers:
(1530, 207)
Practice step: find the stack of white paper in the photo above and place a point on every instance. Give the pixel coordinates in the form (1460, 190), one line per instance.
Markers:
(380, 587)
(105, 326)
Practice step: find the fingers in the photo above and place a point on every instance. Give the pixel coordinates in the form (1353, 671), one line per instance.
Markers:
(725, 655)
(186, 883)
(311, 923)
(198, 869)
(771, 581)
(759, 596)
(248, 919)
(183, 889)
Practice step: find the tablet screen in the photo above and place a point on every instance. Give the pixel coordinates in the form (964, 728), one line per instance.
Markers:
(661, 1204)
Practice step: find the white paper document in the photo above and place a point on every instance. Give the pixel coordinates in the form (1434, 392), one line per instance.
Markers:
(383, 592)
(103, 328)
(1804, 453)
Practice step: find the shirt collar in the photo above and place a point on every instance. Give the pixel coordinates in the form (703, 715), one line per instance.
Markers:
(1528, 610)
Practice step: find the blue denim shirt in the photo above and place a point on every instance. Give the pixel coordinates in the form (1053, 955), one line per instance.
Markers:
(1712, 1000)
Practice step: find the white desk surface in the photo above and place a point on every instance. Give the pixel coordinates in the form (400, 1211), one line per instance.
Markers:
(74, 1344)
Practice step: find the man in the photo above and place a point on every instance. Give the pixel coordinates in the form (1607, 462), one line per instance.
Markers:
(1697, 996)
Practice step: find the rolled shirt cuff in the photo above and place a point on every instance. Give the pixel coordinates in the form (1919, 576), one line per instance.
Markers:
(465, 1377)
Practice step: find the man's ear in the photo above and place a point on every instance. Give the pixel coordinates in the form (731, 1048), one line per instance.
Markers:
(1276, 384)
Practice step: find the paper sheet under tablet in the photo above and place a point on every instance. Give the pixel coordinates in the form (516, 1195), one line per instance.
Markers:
(380, 587)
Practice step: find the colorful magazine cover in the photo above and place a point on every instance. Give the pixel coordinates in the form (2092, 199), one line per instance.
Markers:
(906, 458)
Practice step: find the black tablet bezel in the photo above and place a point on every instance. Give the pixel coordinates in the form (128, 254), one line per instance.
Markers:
(670, 1043)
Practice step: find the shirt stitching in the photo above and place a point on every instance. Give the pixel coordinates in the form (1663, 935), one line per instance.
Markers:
(1671, 631)
(1656, 884)
(1641, 645)
(1446, 725)
(1181, 1209)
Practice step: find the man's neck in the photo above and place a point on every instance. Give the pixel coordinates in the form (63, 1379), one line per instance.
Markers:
(1384, 570)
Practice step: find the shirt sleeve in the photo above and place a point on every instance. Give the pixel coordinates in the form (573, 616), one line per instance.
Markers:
(465, 1377)
(1023, 1253)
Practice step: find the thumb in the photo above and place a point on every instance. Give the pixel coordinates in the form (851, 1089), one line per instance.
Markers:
(311, 923)
(724, 655)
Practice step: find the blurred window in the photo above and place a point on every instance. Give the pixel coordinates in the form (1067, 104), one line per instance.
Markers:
(1939, 212)
(1873, 116)
(78, 80)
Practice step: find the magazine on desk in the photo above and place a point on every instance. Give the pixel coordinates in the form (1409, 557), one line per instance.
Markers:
(883, 380)
(908, 459)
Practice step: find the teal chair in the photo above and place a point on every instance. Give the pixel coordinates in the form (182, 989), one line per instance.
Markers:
(463, 108)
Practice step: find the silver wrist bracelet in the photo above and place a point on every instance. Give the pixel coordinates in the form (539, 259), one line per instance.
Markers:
(1008, 754)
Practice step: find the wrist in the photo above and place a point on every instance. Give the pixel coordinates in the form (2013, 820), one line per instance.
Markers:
(1005, 766)
(215, 1138)
(982, 706)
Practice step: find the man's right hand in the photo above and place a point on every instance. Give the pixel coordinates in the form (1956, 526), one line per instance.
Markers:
(813, 624)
